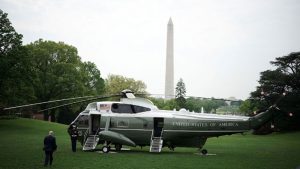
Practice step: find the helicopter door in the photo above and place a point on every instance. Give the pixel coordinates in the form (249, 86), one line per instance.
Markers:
(158, 126)
(95, 123)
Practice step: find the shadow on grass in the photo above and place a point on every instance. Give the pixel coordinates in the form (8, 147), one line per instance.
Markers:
(145, 151)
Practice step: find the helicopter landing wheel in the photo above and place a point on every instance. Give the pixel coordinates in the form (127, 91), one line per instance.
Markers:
(105, 149)
(204, 152)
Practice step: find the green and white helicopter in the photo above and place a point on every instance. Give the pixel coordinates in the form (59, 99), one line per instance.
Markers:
(135, 121)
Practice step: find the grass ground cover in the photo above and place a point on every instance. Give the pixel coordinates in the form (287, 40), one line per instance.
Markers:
(21, 145)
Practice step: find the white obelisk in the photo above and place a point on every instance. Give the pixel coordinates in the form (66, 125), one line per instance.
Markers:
(169, 83)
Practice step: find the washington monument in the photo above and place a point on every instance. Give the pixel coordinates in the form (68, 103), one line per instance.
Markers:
(169, 81)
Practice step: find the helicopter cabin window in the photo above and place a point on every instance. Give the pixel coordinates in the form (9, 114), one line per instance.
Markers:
(128, 108)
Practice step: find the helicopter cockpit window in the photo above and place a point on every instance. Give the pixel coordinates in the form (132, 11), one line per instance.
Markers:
(128, 108)
(91, 106)
(83, 121)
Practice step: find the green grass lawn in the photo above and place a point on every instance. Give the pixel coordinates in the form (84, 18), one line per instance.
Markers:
(21, 145)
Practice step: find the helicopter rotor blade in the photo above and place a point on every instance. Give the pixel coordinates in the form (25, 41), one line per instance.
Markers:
(122, 94)
(81, 101)
(197, 97)
(52, 101)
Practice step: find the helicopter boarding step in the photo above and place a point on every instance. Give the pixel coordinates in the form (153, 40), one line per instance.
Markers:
(90, 143)
(156, 144)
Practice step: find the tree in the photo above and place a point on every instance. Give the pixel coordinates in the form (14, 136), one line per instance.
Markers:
(56, 70)
(42, 71)
(169, 104)
(273, 83)
(180, 93)
(10, 40)
(15, 66)
(247, 107)
(114, 84)
(59, 73)
(91, 77)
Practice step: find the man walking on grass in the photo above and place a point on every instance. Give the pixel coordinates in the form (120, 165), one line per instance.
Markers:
(49, 147)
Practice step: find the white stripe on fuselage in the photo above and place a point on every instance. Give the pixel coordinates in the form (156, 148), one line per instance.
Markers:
(185, 131)
(174, 114)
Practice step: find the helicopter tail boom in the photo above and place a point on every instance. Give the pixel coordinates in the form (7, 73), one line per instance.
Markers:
(260, 119)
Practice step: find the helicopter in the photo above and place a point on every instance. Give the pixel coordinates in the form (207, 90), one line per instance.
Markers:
(136, 121)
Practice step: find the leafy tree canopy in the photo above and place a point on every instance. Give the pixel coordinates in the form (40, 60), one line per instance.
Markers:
(14, 66)
(58, 72)
(114, 84)
(9, 39)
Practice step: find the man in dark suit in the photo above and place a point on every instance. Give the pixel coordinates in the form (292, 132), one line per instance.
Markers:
(74, 134)
(49, 147)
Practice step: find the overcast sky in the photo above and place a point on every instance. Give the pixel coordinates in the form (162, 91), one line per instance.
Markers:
(220, 47)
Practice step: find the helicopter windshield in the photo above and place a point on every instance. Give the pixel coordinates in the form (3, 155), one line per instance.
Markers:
(91, 106)
(128, 108)
(83, 121)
